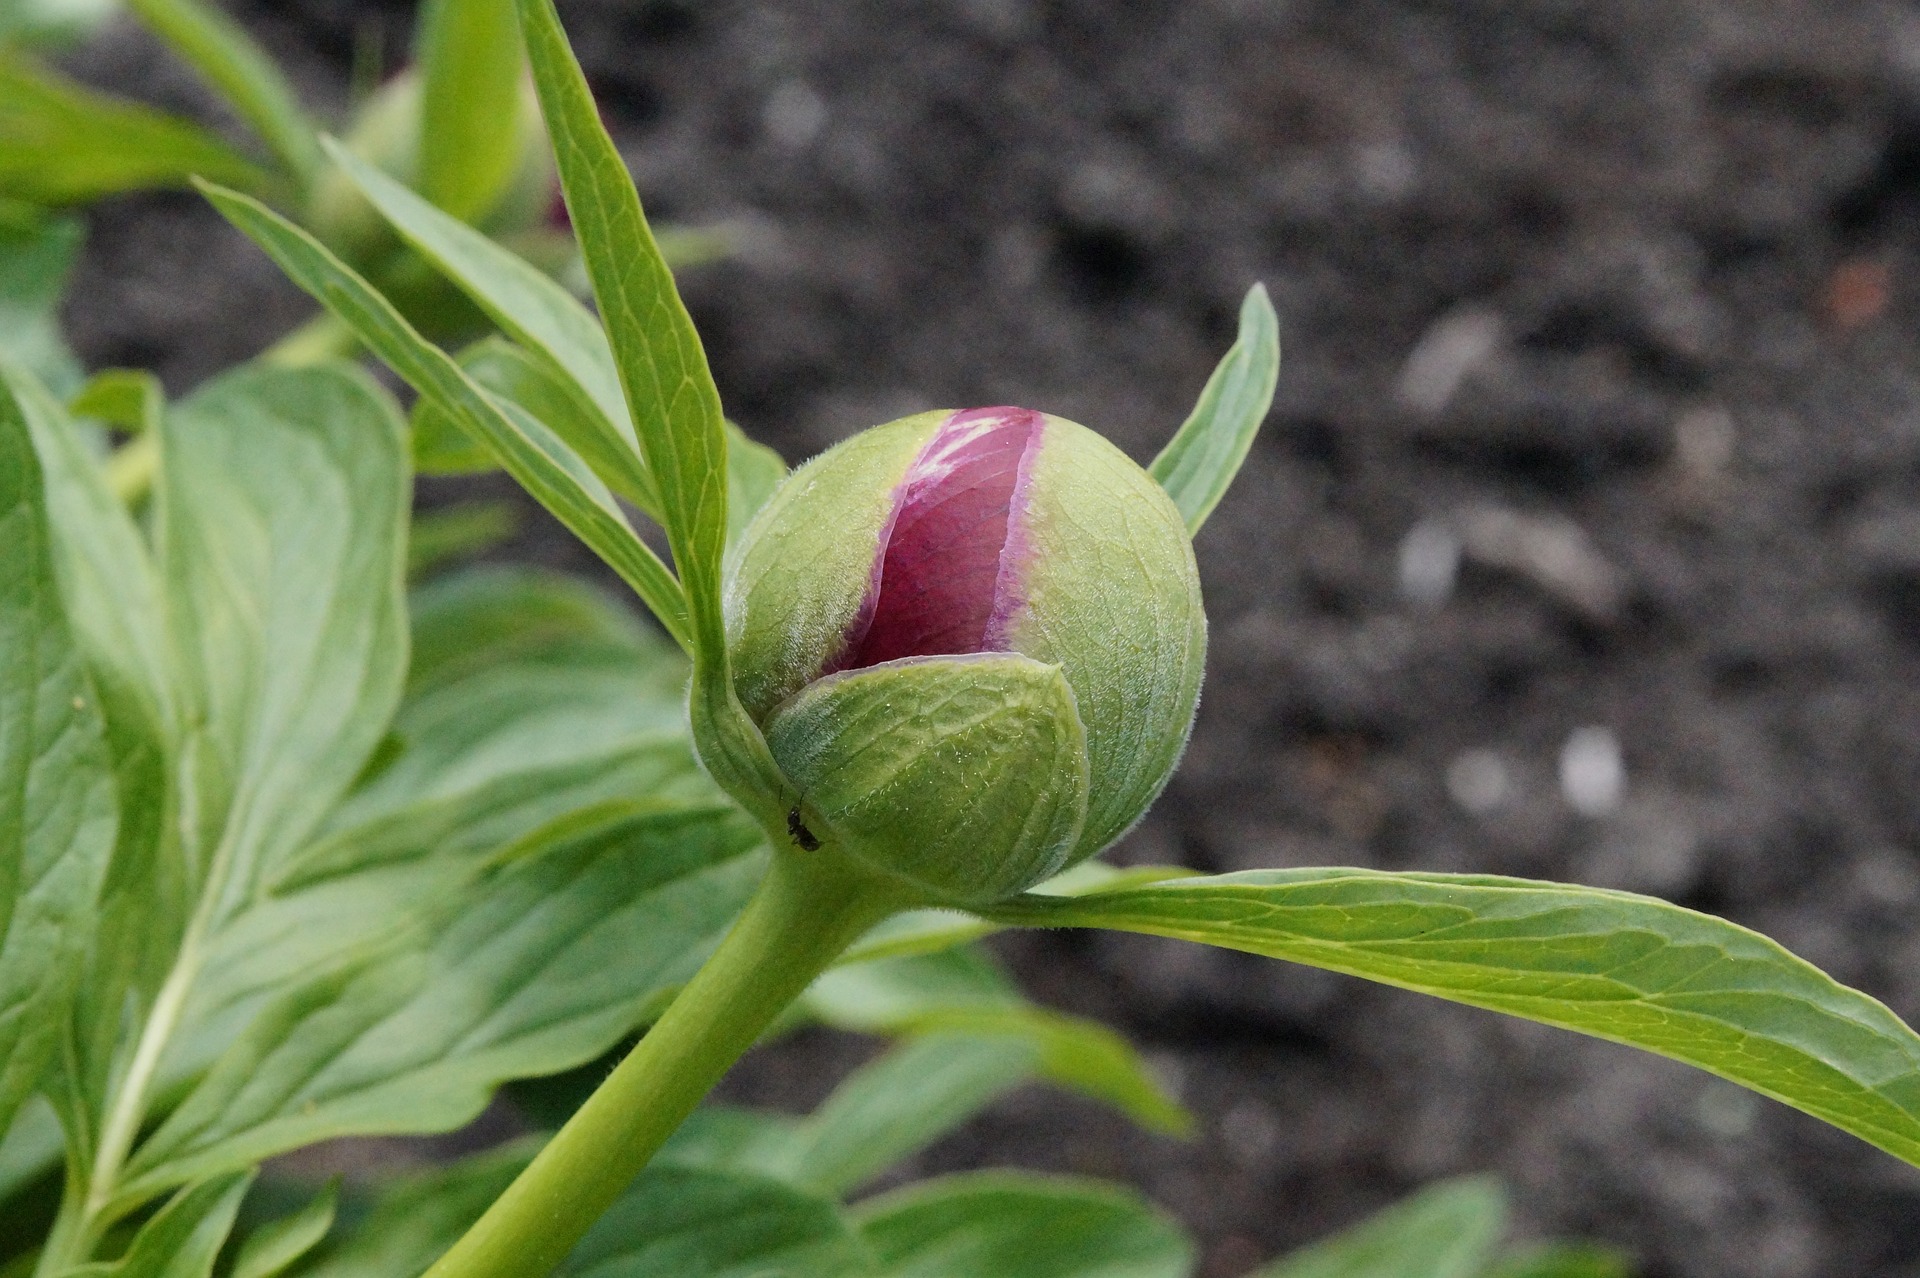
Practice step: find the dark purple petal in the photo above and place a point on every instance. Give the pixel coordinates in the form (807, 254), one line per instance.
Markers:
(946, 580)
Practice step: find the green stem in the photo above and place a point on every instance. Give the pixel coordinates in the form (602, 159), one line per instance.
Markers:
(810, 907)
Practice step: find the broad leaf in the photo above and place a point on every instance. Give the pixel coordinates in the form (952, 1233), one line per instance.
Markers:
(1199, 463)
(184, 1238)
(464, 976)
(58, 813)
(1626, 968)
(1449, 1230)
(961, 993)
(698, 1223)
(113, 601)
(246, 77)
(51, 21)
(63, 144)
(278, 1245)
(284, 503)
(555, 476)
(753, 472)
(30, 1148)
(1018, 1225)
(37, 252)
(471, 114)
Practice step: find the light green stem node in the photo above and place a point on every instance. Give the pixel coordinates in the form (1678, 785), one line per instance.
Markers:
(809, 908)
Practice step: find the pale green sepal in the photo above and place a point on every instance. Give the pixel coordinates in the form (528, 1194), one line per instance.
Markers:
(1199, 462)
(799, 578)
(1113, 596)
(966, 776)
(472, 114)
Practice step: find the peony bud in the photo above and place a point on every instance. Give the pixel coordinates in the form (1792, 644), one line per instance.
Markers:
(974, 642)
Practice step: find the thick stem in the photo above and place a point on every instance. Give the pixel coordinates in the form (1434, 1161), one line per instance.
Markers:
(810, 907)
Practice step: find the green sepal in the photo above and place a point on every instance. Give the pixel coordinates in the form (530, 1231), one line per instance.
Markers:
(965, 776)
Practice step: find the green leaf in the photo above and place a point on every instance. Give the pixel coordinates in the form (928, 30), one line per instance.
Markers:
(246, 77)
(184, 1238)
(1630, 969)
(444, 534)
(670, 394)
(1448, 1230)
(37, 253)
(58, 814)
(516, 375)
(1200, 461)
(1563, 1260)
(698, 1223)
(277, 1246)
(30, 1148)
(1019, 1225)
(283, 504)
(662, 367)
(113, 601)
(960, 993)
(51, 21)
(527, 304)
(471, 117)
(455, 977)
(129, 398)
(543, 466)
(418, 1217)
(63, 144)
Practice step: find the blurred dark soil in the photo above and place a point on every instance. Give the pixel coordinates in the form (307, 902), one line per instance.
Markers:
(1583, 542)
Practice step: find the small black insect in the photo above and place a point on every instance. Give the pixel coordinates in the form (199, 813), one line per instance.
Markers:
(800, 833)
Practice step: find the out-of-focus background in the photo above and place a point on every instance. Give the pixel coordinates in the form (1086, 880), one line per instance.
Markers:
(1583, 541)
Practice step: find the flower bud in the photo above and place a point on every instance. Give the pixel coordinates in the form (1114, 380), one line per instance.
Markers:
(974, 641)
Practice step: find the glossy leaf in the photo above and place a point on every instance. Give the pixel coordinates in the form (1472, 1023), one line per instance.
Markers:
(1626, 968)
(58, 813)
(284, 504)
(183, 1239)
(470, 103)
(64, 144)
(1199, 463)
(555, 476)
(37, 253)
(1019, 1225)
(1449, 1230)
(699, 1223)
(221, 50)
(462, 977)
(278, 1245)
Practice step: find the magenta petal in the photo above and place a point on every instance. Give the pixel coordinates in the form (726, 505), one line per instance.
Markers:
(947, 576)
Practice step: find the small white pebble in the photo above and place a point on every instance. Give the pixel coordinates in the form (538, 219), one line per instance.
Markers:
(794, 115)
(1429, 563)
(1592, 774)
(1451, 348)
(1479, 781)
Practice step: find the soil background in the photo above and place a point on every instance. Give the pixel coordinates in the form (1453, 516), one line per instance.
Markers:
(1583, 541)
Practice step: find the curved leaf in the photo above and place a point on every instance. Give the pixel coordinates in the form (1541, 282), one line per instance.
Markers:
(1199, 463)
(37, 253)
(470, 103)
(1622, 967)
